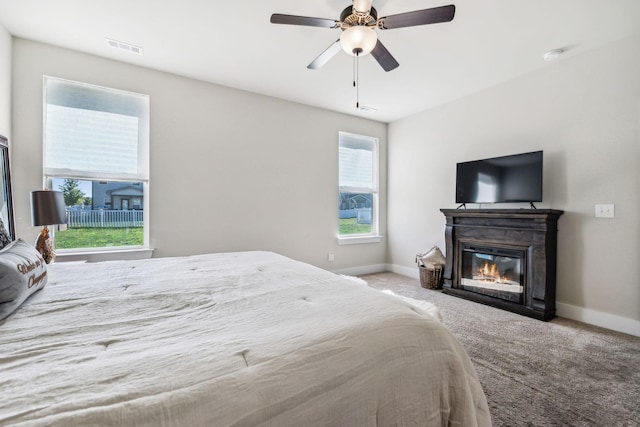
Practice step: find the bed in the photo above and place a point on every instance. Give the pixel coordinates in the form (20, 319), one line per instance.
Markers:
(236, 339)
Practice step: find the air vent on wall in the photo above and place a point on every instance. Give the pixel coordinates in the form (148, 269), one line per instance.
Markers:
(124, 46)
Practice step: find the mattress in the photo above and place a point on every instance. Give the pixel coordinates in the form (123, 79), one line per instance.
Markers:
(237, 339)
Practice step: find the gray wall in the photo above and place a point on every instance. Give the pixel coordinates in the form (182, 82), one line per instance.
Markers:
(230, 170)
(5, 83)
(583, 111)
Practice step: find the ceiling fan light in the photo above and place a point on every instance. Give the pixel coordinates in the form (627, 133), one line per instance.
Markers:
(362, 6)
(359, 39)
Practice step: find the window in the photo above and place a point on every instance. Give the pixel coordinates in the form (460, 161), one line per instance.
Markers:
(96, 151)
(358, 185)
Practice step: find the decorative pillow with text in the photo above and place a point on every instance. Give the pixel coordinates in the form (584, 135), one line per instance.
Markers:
(5, 239)
(22, 272)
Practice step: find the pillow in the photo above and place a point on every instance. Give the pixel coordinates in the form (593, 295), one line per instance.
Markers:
(5, 239)
(22, 272)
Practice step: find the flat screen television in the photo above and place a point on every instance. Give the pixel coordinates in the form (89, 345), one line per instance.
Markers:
(506, 179)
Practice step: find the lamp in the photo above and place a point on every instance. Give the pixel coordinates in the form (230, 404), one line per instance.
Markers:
(47, 208)
(358, 40)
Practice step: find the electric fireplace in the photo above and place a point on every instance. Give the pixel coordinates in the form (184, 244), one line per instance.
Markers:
(497, 272)
(503, 257)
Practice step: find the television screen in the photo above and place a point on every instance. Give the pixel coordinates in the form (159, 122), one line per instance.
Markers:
(507, 179)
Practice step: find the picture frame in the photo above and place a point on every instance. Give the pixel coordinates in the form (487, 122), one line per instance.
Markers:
(6, 196)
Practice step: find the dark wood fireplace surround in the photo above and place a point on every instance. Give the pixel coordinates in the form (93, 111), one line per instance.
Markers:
(533, 231)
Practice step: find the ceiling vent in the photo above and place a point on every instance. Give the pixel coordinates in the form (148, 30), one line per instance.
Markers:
(553, 54)
(124, 46)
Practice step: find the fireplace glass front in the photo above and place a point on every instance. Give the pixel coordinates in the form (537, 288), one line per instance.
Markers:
(497, 272)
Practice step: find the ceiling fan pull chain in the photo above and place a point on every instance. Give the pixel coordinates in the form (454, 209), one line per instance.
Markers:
(354, 70)
(356, 83)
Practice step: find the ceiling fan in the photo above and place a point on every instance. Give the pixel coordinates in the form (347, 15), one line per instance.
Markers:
(358, 22)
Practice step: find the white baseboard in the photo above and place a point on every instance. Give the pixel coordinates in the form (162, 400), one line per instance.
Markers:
(598, 318)
(580, 314)
(405, 271)
(365, 269)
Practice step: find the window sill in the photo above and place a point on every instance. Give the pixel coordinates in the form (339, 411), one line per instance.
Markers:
(105, 255)
(356, 240)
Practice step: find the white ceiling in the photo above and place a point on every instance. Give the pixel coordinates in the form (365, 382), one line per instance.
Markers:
(232, 43)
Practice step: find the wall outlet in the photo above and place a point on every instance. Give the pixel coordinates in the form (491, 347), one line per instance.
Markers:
(331, 257)
(605, 211)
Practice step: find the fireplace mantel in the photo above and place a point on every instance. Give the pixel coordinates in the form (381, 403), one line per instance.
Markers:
(531, 231)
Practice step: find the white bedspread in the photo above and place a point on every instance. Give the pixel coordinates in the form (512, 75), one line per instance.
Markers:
(239, 339)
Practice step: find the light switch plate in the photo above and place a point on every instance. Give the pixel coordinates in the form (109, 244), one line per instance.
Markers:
(605, 211)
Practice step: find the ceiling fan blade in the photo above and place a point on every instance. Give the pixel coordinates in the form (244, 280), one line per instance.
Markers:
(384, 58)
(325, 56)
(278, 18)
(418, 17)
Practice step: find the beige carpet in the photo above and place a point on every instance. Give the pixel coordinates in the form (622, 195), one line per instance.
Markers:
(534, 373)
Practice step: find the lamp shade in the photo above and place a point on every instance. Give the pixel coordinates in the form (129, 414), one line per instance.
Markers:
(359, 39)
(47, 208)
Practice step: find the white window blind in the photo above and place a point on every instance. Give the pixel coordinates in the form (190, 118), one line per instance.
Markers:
(357, 157)
(95, 132)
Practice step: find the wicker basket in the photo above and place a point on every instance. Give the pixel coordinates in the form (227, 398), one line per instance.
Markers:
(431, 277)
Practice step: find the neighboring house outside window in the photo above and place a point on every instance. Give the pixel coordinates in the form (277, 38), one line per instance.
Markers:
(117, 195)
(358, 188)
(96, 151)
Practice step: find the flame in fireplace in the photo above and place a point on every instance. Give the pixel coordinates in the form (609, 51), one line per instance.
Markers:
(489, 273)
